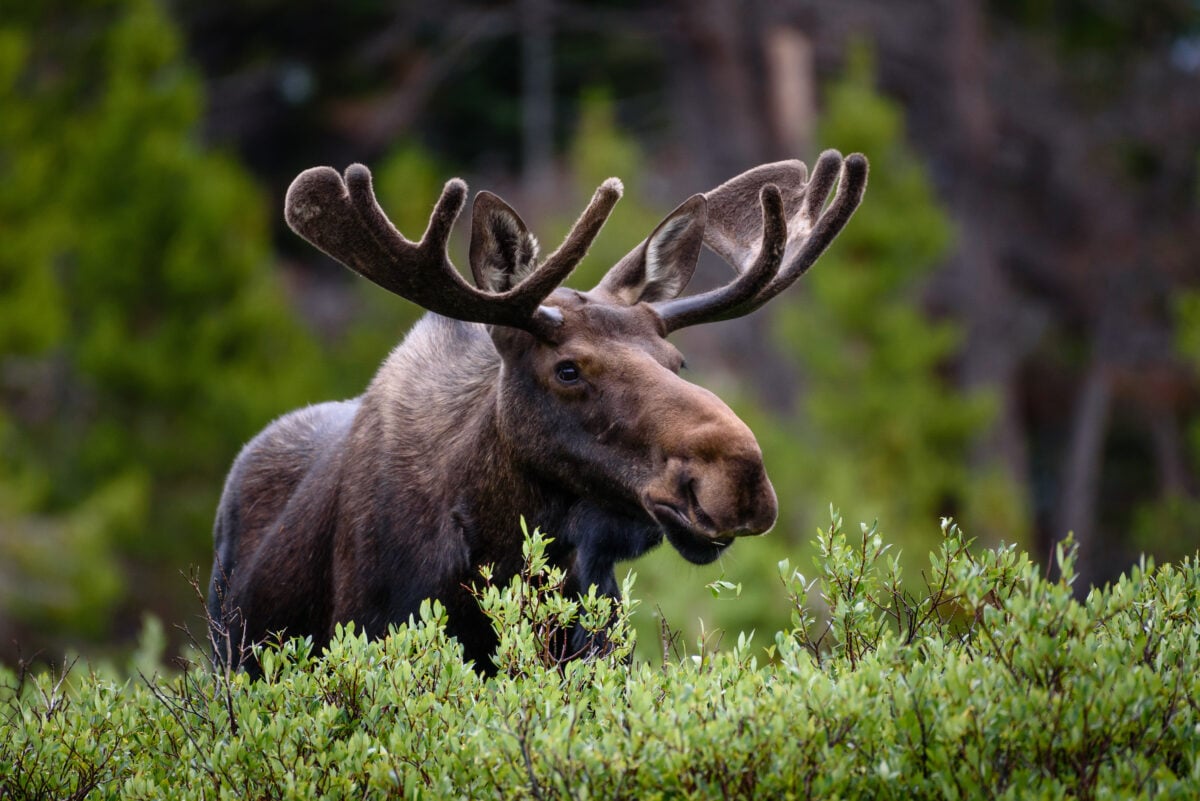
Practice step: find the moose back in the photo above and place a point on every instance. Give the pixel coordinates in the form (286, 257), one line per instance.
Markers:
(513, 397)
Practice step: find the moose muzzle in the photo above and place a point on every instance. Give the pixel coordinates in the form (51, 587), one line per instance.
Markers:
(712, 486)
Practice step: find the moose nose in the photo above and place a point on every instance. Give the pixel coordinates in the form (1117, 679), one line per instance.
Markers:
(734, 499)
(711, 480)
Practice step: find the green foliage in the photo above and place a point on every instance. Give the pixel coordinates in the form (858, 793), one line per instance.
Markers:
(143, 336)
(993, 683)
(864, 602)
(532, 615)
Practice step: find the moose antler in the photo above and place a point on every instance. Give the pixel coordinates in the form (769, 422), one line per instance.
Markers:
(343, 219)
(771, 253)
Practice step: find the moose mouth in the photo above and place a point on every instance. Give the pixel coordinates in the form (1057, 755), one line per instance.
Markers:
(697, 545)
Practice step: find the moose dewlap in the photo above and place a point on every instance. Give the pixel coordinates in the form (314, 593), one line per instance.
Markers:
(517, 397)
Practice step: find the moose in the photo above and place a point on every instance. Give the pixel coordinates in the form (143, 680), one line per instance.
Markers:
(514, 397)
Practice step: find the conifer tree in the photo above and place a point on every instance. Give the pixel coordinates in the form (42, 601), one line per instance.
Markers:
(143, 333)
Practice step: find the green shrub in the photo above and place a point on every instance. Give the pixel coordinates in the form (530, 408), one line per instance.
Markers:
(993, 682)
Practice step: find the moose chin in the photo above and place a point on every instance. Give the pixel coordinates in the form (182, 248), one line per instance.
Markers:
(515, 397)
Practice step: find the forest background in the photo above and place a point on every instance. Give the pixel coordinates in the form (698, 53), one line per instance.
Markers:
(1008, 332)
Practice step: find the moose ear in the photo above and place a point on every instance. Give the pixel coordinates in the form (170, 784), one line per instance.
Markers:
(660, 267)
(502, 249)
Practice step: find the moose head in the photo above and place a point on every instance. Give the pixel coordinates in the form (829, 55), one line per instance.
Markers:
(517, 396)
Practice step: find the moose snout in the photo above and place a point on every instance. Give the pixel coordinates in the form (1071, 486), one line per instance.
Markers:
(716, 499)
(710, 485)
(732, 499)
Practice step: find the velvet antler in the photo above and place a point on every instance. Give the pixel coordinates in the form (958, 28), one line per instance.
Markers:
(343, 219)
(770, 251)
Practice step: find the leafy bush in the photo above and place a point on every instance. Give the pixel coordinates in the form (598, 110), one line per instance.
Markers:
(993, 682)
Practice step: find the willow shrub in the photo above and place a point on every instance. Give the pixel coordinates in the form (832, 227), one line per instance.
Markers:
(990, 682)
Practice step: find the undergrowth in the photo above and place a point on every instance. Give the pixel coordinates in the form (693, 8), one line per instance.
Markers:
(990, 681)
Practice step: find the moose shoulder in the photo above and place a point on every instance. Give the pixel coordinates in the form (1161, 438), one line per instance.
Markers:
(514, 397)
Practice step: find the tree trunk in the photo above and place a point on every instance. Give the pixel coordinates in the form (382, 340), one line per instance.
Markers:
(537, 95)
(1082, 469)
(716, 72)
(1168, 450)
(1000, 328)
(792, 92)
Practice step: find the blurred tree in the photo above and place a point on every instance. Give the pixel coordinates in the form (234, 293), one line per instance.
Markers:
(885, 432)
(143, 336)
(1063, 136)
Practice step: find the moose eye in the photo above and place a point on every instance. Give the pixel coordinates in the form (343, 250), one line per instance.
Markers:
(568, 372)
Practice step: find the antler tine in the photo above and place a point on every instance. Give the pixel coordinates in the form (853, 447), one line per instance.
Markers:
(559, 264)
(852, 183)
(317, 207)
(430, 279)
(724, 302)
(825, 173)
(808, 231)
(421, 271)
(342, 218)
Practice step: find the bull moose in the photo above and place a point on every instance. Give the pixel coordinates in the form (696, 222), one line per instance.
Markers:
(514, 397)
